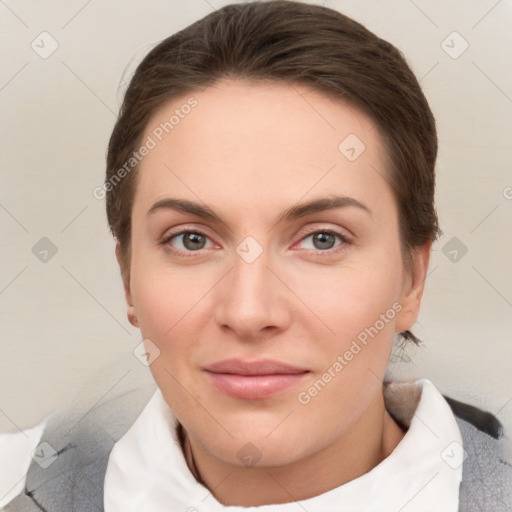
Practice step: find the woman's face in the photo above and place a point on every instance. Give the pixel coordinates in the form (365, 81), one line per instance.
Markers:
(269, 322)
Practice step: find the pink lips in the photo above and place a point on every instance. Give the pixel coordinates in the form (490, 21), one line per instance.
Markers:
(253, 380)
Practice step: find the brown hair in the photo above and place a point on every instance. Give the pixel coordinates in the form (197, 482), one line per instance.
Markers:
(285, 40)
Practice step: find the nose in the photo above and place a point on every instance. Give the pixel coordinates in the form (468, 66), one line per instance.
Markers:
(252, 301)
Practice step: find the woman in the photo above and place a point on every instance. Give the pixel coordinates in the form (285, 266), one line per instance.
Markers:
(270, 186)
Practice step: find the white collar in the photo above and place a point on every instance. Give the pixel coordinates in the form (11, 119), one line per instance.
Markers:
(147, 471)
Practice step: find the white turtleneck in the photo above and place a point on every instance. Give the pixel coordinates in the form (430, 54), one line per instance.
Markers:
(148, 472)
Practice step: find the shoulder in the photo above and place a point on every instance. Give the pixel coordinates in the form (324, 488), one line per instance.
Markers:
(75, 448)
(487, 468)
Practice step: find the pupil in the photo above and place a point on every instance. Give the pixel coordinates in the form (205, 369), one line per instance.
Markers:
(324, 240)
(193, 238)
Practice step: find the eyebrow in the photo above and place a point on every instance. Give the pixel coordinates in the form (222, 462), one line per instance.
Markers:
(295, 212)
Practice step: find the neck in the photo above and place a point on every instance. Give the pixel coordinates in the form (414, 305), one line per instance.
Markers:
(368, 442)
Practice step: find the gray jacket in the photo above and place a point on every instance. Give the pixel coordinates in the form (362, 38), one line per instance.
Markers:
(67, 474)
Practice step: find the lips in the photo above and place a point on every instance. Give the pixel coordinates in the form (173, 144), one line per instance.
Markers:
(253, 380)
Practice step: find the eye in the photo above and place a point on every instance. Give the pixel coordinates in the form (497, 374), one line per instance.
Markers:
(187, 241)
(320, 241)
(324, 240)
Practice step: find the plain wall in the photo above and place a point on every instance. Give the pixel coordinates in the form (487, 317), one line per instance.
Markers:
(63, 322)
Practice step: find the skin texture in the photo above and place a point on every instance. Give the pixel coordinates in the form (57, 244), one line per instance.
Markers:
(250, 150)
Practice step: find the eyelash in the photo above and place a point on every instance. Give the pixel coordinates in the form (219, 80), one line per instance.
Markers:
(327, 252)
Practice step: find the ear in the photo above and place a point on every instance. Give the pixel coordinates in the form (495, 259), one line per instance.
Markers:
(125, 274)
(414, 284)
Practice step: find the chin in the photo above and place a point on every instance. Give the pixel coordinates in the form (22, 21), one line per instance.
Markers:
(260, 452)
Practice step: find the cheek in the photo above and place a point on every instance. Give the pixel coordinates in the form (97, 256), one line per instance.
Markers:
(360, 306)
(165, 306)
(165, 300)
(169, 313)
(162, 292)
(352, 297)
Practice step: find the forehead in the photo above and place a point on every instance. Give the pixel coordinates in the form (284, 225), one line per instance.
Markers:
(258, 145)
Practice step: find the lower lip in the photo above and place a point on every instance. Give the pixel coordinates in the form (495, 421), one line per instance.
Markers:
(254, 387)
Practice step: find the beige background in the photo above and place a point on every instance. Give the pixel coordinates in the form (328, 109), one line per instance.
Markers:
(64, 331)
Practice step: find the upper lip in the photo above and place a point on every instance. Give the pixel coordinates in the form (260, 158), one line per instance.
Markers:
(263, 367)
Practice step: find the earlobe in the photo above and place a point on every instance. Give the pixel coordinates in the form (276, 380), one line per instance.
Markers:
(413, 289)
(125, 274)
(132, 317)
